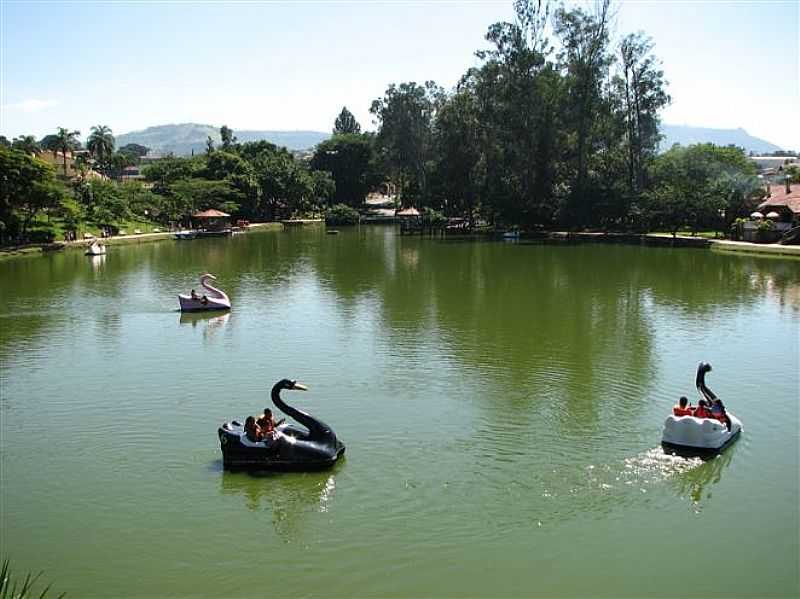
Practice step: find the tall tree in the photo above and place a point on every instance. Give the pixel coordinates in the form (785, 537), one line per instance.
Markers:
(346, 123)
(348, 158)
(641, 87)
(584, 59)
(458, 150)
(66, 141)
(517, 91)
(101, 145)
(405, 115)
(228, 138)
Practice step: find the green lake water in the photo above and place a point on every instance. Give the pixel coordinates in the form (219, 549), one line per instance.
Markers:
(501, 403)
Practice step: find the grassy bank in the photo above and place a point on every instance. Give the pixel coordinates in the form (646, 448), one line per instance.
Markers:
(81, 244)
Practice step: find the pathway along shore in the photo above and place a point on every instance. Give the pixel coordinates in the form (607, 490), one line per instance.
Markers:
(651, 239)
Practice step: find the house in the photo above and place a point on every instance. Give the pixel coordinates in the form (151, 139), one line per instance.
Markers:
(131, 173)
(56, 160)
(781, 208)
(785, 200)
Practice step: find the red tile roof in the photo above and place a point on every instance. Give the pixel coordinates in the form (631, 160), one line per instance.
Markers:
(779, 197)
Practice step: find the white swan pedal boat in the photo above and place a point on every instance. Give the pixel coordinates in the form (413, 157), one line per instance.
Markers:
(700, 435)
(212, 299)
(96, 249)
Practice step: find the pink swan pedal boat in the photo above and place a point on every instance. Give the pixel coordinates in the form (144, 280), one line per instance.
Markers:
(212, 299)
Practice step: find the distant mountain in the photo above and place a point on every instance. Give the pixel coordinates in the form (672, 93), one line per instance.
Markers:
(183, 138)
(685, 135)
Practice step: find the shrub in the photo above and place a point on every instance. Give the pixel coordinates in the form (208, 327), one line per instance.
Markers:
(341, 214)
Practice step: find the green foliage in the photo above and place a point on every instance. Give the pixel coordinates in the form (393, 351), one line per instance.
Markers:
(406, 114)
(11, 588)
(765, 225)
(136, 150)
(27, 144)
(341, 214)
(346, 123)
(433, 218)
(227, 136)
(29, 187)
(167, 170)
(349, 159)
(201, 194)
(101, 145)
(702, 186)
(66, 141)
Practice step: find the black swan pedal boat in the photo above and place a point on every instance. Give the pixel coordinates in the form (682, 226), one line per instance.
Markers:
(698, 436)
(314, 447)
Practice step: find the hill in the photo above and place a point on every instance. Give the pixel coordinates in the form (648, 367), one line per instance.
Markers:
(686, 135)
(181, 139)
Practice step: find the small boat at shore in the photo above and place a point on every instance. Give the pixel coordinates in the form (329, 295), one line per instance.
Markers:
(213, 299)
(692, 435)
(185, 235)
(312, 446)
(96, 249)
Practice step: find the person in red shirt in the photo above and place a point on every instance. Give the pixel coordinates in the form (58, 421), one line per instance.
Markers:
(702, 411)
(683, 409)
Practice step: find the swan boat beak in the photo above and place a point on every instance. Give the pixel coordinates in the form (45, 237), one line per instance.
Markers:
(299, 387)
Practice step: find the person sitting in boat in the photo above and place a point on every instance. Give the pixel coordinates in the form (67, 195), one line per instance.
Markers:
(194, 295)
(267, 424)
(718, 412)
(702, 410)
(252, 430)
(683, 408)
(267, 421)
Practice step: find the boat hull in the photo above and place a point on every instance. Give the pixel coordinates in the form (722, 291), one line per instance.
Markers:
(238, 452)
(197, 305)
(699, 435)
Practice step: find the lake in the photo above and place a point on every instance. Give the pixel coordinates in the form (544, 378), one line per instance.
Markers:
(501, 403)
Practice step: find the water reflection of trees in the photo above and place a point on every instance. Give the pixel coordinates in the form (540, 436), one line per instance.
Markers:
(512, 312)
(289, 497)
(534, 315)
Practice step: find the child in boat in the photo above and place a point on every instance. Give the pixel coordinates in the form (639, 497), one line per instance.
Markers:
(683, 408)
(266, 422)
(252, 430)
(702, 410)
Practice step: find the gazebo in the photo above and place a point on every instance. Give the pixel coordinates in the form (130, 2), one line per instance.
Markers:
(212, 220)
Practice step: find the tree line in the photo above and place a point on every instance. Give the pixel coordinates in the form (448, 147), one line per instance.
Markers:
(558, 126)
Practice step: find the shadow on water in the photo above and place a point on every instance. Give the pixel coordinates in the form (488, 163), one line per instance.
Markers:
(290, 497)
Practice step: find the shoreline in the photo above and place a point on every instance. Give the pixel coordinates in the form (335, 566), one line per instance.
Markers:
(649, 239)
(58, 246)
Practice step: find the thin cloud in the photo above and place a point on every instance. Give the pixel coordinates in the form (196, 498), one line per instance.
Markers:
(32, 105)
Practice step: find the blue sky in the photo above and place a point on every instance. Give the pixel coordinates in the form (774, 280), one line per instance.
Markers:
(293, 65)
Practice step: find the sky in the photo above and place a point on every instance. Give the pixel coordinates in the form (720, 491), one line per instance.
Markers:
(293, 65)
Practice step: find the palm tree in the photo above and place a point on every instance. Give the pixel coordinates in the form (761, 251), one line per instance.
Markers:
(67, 141)
(26, 143)
(101, 143)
